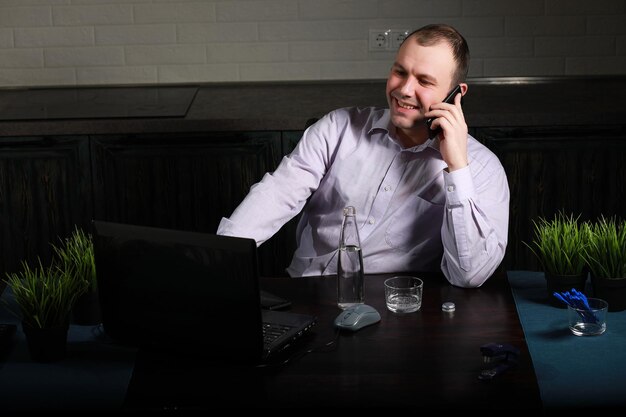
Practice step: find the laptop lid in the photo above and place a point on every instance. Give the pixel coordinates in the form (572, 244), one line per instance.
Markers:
(188, 292)
(179, 290)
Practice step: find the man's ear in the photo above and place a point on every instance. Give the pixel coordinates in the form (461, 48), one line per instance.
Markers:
(464, 88)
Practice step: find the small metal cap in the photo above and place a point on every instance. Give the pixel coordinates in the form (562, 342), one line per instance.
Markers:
(448, 306)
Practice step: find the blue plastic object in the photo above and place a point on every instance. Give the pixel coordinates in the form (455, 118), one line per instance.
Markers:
(578, 301)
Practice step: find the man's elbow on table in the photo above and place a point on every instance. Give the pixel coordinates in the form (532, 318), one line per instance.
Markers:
(473, 277)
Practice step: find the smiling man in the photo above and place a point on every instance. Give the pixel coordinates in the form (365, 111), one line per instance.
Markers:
(427, 199)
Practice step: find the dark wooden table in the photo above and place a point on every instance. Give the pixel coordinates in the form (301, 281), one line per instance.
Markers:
(424, 360)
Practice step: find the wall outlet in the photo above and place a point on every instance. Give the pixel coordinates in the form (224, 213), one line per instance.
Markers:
(396, 37)
(379, 40)
(387, 39)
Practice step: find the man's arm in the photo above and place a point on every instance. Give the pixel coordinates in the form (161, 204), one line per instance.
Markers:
(476, 218)
(280, 195)
(475, 222)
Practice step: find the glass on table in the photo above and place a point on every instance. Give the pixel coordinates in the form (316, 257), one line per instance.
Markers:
(403, 293)
(589, 321)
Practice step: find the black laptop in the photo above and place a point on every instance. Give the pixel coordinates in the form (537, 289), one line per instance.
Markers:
(188, 292)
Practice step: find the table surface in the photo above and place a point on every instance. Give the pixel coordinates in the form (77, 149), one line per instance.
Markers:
(424, 360)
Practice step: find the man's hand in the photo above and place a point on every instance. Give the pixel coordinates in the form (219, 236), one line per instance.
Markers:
(453, 135)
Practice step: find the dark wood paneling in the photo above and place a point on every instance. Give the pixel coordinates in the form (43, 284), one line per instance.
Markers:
(577, 169)
(45, 189)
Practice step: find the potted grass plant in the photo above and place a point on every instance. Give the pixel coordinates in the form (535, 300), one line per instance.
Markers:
(75, 254)
(606, 258)
(43, 297)
(559, 245)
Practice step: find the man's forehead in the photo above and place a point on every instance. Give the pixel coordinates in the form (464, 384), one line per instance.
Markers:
(426, 62)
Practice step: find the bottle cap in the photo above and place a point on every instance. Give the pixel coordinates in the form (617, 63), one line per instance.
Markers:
(448, 306)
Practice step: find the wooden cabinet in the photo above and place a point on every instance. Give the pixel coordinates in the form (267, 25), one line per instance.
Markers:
(178, 181)
(45, 189)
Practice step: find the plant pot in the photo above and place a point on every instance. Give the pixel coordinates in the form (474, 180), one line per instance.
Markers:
(86, 310)
(562, 283)
(611, 290)
(47, 344)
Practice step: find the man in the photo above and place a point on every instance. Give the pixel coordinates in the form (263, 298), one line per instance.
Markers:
(425, 201)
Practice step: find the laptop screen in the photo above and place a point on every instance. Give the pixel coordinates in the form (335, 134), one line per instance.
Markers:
(179, 290)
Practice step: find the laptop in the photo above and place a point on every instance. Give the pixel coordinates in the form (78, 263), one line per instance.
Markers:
(188, 292)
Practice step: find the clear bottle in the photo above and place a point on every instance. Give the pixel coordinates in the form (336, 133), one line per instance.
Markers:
(350, 262)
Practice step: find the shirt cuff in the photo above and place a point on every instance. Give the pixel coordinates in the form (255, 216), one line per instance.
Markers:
(458, 185)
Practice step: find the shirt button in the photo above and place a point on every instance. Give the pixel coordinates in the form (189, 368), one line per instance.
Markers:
(387, 187)
(450, 188)
(371, 220)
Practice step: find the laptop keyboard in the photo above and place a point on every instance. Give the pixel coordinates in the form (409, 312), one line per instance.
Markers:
(272, 331)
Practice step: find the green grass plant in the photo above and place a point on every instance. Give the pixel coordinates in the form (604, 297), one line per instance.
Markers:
(606, 251)
(45, 295)
(75, 253)
(559, 244)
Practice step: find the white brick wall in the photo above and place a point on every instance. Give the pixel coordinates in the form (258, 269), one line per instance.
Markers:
(116, 42)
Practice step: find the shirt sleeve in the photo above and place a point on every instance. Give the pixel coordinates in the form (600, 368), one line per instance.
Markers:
(475, 223)
(280, 195)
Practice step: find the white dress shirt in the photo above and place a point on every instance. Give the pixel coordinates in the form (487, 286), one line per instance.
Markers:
(412, 214)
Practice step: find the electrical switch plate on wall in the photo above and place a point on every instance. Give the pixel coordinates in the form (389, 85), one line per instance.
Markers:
(379, 40)
(396, 37)
(386, 39)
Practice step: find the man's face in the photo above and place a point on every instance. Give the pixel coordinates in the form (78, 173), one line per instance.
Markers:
(420, 77)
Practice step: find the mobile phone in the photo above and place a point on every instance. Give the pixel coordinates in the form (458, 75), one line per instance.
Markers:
(449, 99)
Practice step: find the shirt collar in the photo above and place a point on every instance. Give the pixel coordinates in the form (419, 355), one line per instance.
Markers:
(384, 123)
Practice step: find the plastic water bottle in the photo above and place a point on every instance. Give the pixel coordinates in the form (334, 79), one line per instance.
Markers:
(349, 262)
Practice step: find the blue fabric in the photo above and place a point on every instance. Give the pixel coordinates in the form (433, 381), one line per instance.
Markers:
(572, 371)
(94, 375)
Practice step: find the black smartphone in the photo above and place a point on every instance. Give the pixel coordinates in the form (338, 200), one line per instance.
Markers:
(449, 99)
